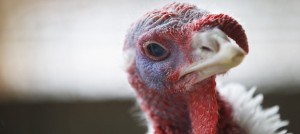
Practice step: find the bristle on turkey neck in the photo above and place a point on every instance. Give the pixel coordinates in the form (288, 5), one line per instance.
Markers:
(173, 56)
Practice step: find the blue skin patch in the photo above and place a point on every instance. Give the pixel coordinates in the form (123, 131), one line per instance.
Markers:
(154, 73)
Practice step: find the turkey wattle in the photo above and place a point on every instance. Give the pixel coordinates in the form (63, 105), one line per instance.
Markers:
(174, 54)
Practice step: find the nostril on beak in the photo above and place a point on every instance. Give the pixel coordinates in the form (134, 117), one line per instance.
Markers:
(205, 48)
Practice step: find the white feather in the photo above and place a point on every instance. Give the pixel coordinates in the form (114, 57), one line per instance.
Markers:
(149, 125)
(248, 112)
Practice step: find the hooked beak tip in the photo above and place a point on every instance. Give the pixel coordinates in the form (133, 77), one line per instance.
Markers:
(228, 56)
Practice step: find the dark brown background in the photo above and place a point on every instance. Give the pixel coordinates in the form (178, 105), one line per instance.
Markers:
(103, 117)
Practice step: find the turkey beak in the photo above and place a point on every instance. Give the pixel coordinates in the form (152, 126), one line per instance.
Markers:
(213, 54)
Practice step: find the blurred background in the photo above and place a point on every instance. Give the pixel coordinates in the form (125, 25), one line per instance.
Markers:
(61, 68)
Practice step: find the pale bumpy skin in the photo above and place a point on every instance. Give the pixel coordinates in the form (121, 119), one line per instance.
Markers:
(181, 104)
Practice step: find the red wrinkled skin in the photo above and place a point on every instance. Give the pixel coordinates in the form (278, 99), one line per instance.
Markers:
(185, 107)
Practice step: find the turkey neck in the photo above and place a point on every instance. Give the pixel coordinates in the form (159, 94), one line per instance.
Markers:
(203, 107)
(191, 112)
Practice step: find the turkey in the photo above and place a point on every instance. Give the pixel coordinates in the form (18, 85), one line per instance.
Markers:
(173, 57)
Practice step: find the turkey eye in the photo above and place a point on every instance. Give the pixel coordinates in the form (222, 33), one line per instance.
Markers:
(155, 51)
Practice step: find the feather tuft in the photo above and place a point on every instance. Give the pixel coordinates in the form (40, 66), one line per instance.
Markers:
(248, 112)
